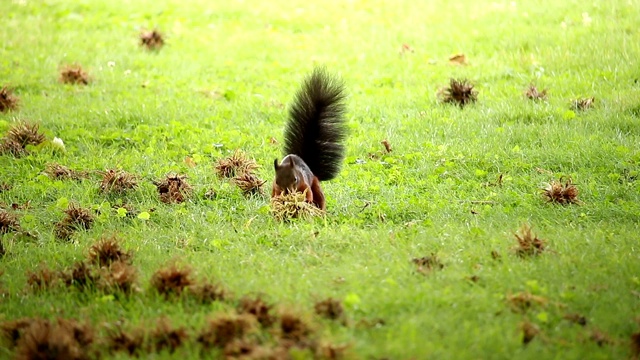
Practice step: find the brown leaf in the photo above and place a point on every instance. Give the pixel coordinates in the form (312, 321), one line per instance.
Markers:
(459, 59)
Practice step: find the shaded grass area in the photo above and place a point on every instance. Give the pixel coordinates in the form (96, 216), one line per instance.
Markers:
(456, 187)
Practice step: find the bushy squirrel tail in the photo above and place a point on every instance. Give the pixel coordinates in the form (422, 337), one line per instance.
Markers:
(316, 127)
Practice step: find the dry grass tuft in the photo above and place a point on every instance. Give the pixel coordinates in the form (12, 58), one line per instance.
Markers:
(459, 92)
(74, 74)
(529, 331)
(165, 336)
(173, 189)
(576, 319)
(222, 330)
(60, 172)
(64, 339)
(250, 350)
(600, 338)
(152, 40)
(258, 308)
(41, 279)
(294, 331)
(80, 275)
(108, 250)
(25, 133)
(13, 330)
(117, 181)
(7, 100)
(583, 103)
(635, 345)
(8, 223)
(330, 308)
(249, 183)
(523, 301)
(172, 280)
(130, 342)
(532, 93)
(119, 276)
(10, 147)
(77, 218)
(236, 164)
(293, 205)
(331, 352)
(207, 292)
(559, 193)
(528, 243)
(427, 264)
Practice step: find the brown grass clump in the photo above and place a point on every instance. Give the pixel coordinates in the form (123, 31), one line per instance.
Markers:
(165, 336)
(427, 264)
(222, 330)
(11, 147)
(236, 164)
(523, 301)
(119, 276)
(107, 250)
(576, 319)
(528, 243)
(635, 345)
(117, 181)
(558, 193)
(249, 183)
(172, 280)
(13, 330)
(529, 331)
(64, 339)
(80, 275)
(174, 189)
(8, 223)
(459, 92)
(74, 74)
(43, 278)
(130, 342)
(208, 292)
(293, 205)
(76, 218)
(600, 338)
(60, 172)
(331, 352)
(293, 331)
(25, 133)
(7, 100)
(330, 308)
(583, 103)
(250, 350)
(257, 307)
(152, 40)
(532, 93)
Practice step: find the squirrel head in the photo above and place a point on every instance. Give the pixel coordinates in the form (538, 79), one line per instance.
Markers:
(287, 176)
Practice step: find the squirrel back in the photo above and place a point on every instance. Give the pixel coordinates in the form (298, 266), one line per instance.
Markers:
(316, 127)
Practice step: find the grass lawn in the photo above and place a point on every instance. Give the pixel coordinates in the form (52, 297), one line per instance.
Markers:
(454, 191)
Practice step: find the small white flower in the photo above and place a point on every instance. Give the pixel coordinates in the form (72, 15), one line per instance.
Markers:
(586, 19)
(111, 64)
(57, 142)
(127, 72)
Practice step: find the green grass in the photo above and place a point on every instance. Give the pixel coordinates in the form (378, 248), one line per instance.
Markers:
(225, 78)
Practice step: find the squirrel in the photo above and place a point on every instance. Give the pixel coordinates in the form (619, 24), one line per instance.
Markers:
(313, 138)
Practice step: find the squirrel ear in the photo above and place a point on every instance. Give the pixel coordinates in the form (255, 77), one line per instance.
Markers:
(275, 164)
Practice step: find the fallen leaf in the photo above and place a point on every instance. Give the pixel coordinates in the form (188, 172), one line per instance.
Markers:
(189, 161)
(460, 59)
